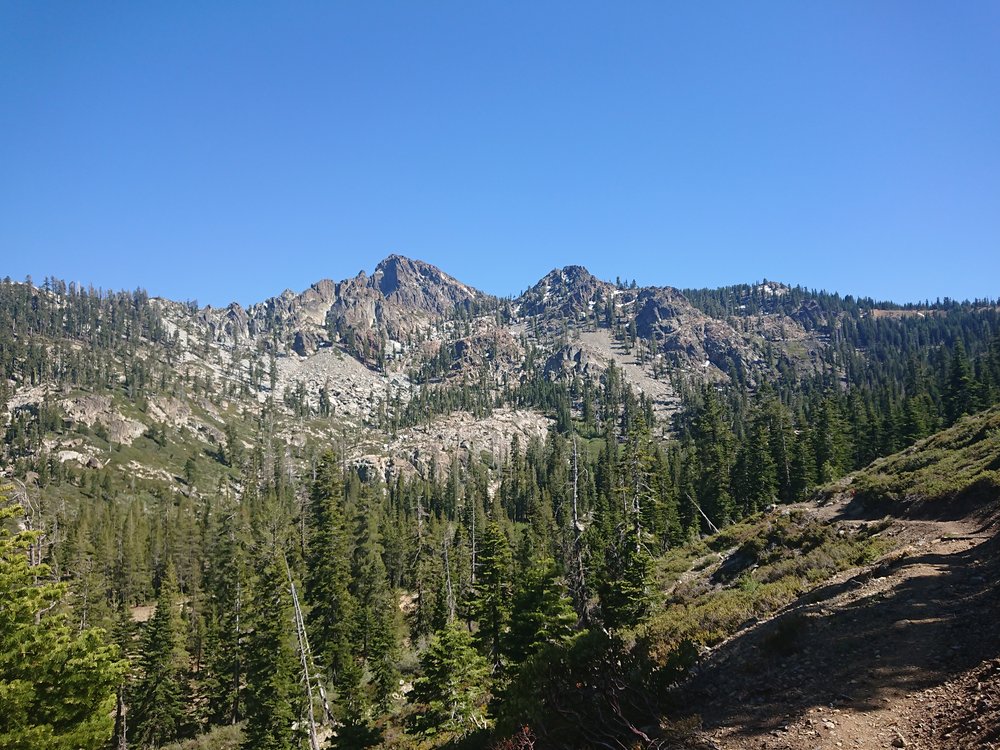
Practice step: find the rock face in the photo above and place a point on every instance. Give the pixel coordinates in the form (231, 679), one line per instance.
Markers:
(355, 308)
(674, 332)
(429, 448)
(98, 410)
(415, 285)
(658, 310)
(297, 319)
(400, 297)
(574, 359)
(356, 352)
(570, 292)
(685, 335)
(395, 317)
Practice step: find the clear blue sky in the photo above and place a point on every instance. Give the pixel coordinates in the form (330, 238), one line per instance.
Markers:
(224, 151)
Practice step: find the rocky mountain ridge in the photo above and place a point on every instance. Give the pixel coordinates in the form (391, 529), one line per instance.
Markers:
(452, 407)
(400, 297)
(350, 356)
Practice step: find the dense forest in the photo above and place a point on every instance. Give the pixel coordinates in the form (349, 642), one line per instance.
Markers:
(286, 598)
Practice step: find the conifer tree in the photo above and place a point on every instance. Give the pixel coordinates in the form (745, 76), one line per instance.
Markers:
(382, 656)
(755, 476)
(228, 584)
(915, 421)
(542, 611)
(368, 576)
(123, 636)
(960, 395)
(159, 711)
(451, 692)
(687, 490)
(830, 441)
(714, 449)
(803, 475)
(781, 437)
(57, 683)
(491, 606)
(272, 690)
(427, 581)
(623, 588)
(636, 479)
(668, 526)
(375, 634)
(331, 617)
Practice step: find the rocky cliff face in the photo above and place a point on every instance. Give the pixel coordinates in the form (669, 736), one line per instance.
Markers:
(351, 354)
(383, 318)
(417, 286)
(401, 318)
(402, 296)
(687, 336)
(671, 332)
(571, 292)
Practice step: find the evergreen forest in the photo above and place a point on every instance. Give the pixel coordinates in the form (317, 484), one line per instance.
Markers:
(227, 573)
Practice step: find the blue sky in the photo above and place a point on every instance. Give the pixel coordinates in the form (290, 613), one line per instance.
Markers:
(227, 151)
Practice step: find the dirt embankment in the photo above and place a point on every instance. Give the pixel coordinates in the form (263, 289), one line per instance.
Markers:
(905, 653)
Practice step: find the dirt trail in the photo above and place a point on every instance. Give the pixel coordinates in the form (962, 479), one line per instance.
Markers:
(903, 653)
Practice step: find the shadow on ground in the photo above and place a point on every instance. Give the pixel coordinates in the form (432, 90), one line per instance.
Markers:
(898, 628)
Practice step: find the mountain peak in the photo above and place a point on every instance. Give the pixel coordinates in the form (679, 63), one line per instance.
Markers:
(420, 285)
(395, 259)
(571, 290)
(573, 275)
(395, 270)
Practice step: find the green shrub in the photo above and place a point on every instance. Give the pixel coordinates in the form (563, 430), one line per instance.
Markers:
(219, 738)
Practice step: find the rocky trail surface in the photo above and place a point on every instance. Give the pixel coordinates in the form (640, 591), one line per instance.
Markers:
(903, 653)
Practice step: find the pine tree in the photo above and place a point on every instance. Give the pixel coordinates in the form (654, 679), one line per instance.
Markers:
(57, 683)
(636, 476)
(426, 578)
(666, 524)
(803, 471)
(159, 711)
(375, 634)
(830, 441)
(960, 394)
(331, 618)
(123, 635)
(491, 605)
(382, 656)
(916, 420)
(714, 448)
(755, 476)
(451, 692)
(228, 588)
(542, 612)
(781, 443)
(272, 691)
(624, 583)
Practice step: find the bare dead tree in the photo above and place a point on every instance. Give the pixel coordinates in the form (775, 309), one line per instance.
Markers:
(308, 668)
(581, 594)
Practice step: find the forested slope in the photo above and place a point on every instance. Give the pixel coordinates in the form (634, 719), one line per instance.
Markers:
(457, 515)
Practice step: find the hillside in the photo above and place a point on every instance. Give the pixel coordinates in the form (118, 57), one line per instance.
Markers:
(901, 652)
(469, 521)
(851, 619)
(358, 351)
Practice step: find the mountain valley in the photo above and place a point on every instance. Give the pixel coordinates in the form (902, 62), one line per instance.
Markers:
(396, 511)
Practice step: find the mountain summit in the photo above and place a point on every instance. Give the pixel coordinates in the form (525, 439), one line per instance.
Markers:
(416, 285)
(571, 290)
(401, 295)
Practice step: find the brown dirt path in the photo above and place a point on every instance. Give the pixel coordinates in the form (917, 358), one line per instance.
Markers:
(903, 653)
